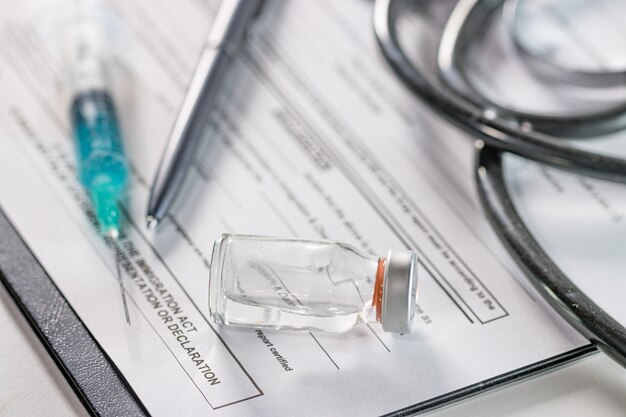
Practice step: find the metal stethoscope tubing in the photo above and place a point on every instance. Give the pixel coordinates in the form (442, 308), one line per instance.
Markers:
(552, 71)
(486, 122)
(497, 136)
(464, 24)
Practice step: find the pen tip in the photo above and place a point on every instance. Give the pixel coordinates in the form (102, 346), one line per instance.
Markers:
(151, 221)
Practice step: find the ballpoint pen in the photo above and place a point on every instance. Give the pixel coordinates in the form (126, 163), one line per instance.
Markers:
(225, 36)
(101, 163)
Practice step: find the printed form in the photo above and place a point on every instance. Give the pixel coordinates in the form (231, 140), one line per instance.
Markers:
(318, 140)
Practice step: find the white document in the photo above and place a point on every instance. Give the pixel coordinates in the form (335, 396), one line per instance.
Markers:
(319, 140)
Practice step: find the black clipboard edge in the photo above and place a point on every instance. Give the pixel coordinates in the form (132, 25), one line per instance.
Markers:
(93, 376)
(499, 381)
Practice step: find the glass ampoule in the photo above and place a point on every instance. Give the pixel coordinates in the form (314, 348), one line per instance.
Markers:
(307, 285)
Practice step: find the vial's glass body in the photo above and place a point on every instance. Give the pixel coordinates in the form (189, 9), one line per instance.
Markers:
(294, 284)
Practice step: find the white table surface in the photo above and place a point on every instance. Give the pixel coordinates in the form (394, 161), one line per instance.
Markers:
(31, 385)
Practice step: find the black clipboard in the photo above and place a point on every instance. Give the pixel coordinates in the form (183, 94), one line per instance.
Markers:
(93, 376)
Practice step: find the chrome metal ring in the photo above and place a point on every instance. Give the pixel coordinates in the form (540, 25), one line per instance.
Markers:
(466, 20)
(554, 72)
(495, 128)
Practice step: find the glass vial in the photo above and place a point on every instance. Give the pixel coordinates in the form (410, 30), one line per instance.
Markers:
(307, 285)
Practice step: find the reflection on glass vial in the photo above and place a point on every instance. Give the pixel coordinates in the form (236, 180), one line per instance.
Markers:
(295, 284)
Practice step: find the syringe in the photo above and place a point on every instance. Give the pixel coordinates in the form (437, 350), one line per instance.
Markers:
(101, 162)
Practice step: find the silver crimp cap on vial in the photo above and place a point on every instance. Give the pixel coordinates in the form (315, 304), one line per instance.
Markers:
(399, 291)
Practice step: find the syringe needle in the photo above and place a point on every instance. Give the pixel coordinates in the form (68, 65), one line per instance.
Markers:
(123, 291)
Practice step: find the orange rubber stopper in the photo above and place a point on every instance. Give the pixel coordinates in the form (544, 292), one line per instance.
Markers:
(377, 299)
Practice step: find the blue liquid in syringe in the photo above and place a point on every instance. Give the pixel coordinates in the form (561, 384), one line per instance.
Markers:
(102, 165)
